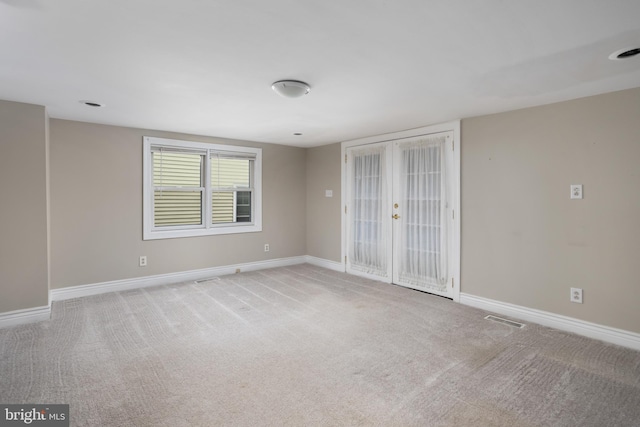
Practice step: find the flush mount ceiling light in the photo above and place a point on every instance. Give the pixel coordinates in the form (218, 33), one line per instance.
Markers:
(92, 104)
(625, 53)
(291, 88)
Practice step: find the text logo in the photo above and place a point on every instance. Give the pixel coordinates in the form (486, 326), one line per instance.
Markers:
(40, 415)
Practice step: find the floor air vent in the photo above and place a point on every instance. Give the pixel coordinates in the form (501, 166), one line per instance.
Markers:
(505, 321)
(210, 279)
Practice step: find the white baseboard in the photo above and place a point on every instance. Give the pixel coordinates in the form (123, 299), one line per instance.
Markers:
(325, 263)
(28, 315)
(165, 279)
(564, 323)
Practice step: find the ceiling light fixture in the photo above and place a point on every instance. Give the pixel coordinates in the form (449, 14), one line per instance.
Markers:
(624, 53)
(291, 88)
(92, 104)
(297, 134)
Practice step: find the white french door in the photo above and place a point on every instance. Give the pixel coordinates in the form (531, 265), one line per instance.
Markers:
(368, 211)
(399, 212)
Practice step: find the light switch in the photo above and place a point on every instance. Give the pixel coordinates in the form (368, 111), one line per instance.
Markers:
(576, 191)
(328, 193)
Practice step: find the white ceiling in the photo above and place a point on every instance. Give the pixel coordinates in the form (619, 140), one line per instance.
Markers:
(375, 66)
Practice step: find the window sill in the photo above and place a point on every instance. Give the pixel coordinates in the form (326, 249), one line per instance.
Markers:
(195, 232)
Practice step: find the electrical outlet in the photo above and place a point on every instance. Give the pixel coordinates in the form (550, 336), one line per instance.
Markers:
(143, 261)
(266, 247)
(576, 191)
(576, 295)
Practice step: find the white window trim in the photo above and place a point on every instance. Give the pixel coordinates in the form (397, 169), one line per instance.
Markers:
(150, 232)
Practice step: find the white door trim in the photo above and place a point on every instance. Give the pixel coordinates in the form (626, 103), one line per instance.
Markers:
(454, 127)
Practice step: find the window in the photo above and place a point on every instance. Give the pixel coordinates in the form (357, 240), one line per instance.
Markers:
(195, 189)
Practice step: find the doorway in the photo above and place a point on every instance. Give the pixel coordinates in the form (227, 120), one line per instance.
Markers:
(400, 200)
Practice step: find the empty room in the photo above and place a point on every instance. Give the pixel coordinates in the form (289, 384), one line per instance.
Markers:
(410, 213)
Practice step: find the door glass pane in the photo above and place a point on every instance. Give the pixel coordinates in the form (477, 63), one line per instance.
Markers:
(422, 251)
(368, 245)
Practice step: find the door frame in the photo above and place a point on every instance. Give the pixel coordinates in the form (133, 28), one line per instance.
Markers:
(454, 127)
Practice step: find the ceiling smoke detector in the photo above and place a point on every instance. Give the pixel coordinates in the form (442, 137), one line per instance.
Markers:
(291, 88)
(629, 52)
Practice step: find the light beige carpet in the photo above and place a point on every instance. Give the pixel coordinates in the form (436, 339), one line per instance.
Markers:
(302, 346)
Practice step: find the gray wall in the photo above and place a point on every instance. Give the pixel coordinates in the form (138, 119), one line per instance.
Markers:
(24, 278)
(96, 209)
(323, 213)
(523, 240)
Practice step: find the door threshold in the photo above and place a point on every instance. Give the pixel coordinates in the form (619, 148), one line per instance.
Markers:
(423, 291)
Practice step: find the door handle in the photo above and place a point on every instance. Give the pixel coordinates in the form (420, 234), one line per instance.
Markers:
(396, 216)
